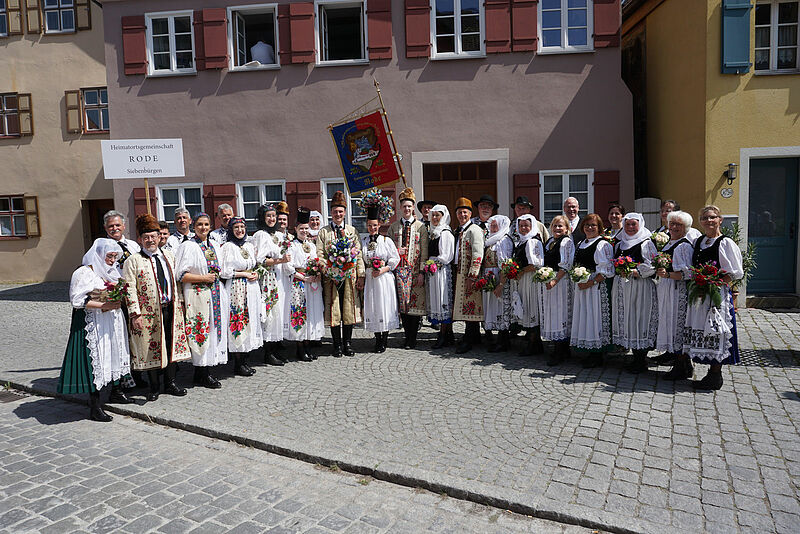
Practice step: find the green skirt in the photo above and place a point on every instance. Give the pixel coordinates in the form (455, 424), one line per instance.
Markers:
(76, 370)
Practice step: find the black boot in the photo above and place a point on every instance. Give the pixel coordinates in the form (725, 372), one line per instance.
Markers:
(384, 341)
(336, 334)
(347, 334)
(502, 342)
(668, 358)
(639, 363)
(682, 369)
(96, 412)
(711, 382)
(560, 351)
(170, 387)
(439, 339)
(269, 355)
(277, 349)
(404, 323)
(300, 353)
(536, 345)
(413, 330)
(202, 377)
(138, 379)
(239, 367)
(154, 377)
(449, 338)
(249, 369)
(307, 350)
(378, 340)
(594, 359)
(118, 396)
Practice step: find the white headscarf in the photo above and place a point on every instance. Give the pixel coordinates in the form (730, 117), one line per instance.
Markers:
(95, 258)
(313, 233)
(444, 222)
(534, 228)
(627, 241)
(504, 223)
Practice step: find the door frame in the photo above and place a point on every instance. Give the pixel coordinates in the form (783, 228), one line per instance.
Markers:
(745, 155)
(500, 155)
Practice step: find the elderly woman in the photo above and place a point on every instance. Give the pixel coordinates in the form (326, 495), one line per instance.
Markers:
(497, 303)
(672, 295)
(97, 350)
(710, 333)
(441, 250)
(559, 253)
(266, 241)
(244, 295)
(306, 319)
(635, 309)
(529, 255)
(591, 326)
(198, 266)
(380, 299)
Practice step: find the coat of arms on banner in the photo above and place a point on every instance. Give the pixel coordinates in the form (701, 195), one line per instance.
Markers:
(364, 147)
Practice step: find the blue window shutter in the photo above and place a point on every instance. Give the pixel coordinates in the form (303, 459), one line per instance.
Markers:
(736, 36)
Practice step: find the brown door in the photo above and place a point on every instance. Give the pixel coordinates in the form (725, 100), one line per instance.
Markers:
(447, 182)
(93, 211)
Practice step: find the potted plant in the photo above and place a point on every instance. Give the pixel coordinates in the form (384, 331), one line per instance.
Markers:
(748, 258)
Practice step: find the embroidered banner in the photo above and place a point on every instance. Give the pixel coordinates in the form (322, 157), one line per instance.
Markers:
(365, 153)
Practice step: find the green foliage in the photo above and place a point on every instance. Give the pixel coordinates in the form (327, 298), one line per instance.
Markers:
(734, 231)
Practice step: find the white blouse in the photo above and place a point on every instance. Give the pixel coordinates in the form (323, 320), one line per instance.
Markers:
(730, 256)
(603, 256)
(566, 253)
(385, 250)
(83, 282)
(234, 259)
(447, 248)
(190, 259)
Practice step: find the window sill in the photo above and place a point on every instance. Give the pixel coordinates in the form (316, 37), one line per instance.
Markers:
(342, 63)
(96, 132)
(243, 68)
(445, 57)
(552, 51)
(775, 72)
(10, 136)
(62, 32)
(163, 74)
(13, 237)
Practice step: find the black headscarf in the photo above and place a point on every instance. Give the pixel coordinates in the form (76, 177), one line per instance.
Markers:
(232, 238)
(260, 223)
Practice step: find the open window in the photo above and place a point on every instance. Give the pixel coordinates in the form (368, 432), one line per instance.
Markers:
(341, 33)
(253, 32)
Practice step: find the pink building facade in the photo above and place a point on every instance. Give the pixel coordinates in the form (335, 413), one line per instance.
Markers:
(501, 97)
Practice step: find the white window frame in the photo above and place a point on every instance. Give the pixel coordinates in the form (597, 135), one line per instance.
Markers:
(348, 218)
(773, 41)
(181, 198)
(232, 44)
(172, 59)
(565, 192)
(459, 54)
(261, 195)
(566, 49)
(364, 35)
(59, 9)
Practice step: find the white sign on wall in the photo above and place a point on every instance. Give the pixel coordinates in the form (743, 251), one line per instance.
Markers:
(142, 158)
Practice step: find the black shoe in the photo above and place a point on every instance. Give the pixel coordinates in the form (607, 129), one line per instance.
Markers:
(463, 347)
(449, 340)
(378, 339)
(337, 351)
(152, 396)
(210, 382)
(680, 371)
(118, 396)
(593, 360)
(439, 341)
(138, 379)
(348, 349)
(96, 413)
(639, 363)
(243, 370)
(710, 382)
(309, 353)
(171, 388)
(555, 358)
(667, 358)
(282, 358)
(272, 360)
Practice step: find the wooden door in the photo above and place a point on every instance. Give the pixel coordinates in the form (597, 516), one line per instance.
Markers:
(447, 182)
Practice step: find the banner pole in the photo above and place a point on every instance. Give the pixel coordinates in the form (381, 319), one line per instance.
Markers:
(391, 135)
(147, 195)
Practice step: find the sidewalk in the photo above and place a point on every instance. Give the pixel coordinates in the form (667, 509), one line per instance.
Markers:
(599, 448)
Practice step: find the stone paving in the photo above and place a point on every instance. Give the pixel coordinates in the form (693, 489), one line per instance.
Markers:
(597, 447)
(63, 473)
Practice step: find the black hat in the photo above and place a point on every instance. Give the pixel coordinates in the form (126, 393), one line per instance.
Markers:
(522, 200)
(489, 199)
(430, 203)
(372, 213)
(303, 216)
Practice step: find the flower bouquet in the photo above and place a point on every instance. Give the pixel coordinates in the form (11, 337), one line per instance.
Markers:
(377, 264)
(487, 282)
(375, 198)
(510, 269)
(706, 282)
(544, 275)
(117, 292)
(285, 243)
(662, 260)
(610, 235)
(660, 239)
(340, 260)
(624, 266)
(314, 267)
(579, 274)
(431, 266)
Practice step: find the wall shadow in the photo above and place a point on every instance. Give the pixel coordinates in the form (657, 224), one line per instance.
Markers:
(42, 292)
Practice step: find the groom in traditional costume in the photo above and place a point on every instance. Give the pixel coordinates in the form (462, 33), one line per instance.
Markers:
(411, 238)
(468, 304)
(155, 305)
(342, 305)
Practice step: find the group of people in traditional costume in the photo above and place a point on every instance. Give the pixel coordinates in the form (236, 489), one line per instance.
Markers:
(210, 295)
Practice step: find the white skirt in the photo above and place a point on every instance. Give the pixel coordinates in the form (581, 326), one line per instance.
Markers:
(306, 320)
(530, 297)
(272, 316)
(672, 303)
(380, 303)
(439, 289)
(635, 313)
(591, 322)
(557, 310)
(709, 333)
(250, 338)
(497, 312)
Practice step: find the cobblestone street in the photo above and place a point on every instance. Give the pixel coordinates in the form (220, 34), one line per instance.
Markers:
(597, 447)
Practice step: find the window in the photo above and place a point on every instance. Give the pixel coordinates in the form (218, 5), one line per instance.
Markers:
(95, 109)
(170, 43)
(556, 186)
(355, 215)
(252, 195)
(253, 34)
(3, 19)
(9, 115)
(185, 196)
(457, 28)
(566, 26)
(59, 16)
(776, 45)
(340, 32)
(12, 217)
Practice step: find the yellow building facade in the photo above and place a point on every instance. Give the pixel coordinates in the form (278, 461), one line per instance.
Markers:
(726, 138)
(53, 114)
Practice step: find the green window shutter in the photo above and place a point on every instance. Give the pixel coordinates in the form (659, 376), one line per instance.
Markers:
(736, 36)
